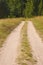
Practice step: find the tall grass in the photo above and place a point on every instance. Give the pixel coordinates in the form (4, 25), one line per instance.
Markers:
(38, 23)
(6, 26)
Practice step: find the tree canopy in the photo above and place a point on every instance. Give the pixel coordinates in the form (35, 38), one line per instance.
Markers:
(20, 8)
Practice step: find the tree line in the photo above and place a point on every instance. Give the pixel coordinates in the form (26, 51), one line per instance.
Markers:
(21, 8)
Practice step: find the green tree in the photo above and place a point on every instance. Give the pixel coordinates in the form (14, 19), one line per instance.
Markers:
(29, 8)
(36, 4)
(11, 5)
(4, 10)
(17, 8)
(20, 8)
(40, 7)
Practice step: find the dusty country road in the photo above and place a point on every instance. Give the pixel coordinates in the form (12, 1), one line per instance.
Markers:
(9, 50)
(36, 43)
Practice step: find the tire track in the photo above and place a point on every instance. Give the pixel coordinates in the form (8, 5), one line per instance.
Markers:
(36, 43)
(9, 51)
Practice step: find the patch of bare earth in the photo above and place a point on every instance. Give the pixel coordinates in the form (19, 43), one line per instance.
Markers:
(9, 51)
(36, 43)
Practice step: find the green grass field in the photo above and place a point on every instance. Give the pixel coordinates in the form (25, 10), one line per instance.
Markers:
(6, 26)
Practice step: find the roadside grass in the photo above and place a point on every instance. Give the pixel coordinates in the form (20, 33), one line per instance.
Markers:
(6, 26)
(38, 23)
(25, 56)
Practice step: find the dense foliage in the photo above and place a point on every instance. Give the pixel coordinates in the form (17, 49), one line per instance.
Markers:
(20, 8)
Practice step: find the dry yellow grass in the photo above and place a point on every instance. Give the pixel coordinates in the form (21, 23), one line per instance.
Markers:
(38, 23)
(6, 26)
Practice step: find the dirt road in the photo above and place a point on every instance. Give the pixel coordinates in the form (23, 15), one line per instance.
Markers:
(36, 43)
(9, 50)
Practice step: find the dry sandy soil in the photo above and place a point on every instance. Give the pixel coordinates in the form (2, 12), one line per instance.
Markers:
(36, 43)
(9, 50)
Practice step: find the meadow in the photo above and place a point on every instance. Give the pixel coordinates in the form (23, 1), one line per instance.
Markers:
(38, 23)
(6, 26)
